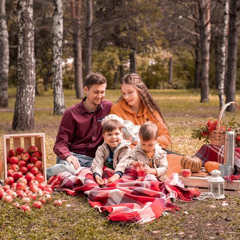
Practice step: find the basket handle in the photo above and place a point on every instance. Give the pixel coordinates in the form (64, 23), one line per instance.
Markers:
(222, 111)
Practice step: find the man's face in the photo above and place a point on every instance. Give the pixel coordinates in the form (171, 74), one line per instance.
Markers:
(96, 93)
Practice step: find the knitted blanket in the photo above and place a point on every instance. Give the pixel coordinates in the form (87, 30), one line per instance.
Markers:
(135, 197)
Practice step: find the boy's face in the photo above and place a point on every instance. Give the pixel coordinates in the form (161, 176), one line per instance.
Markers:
(113, 138)
(95, 94)
(148, 146)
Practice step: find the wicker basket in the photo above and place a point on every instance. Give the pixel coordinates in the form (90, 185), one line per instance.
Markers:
(217, 137)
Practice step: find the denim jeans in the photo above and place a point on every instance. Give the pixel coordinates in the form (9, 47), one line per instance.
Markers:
(64, 166)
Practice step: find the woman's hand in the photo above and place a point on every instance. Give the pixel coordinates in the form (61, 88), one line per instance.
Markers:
(113, 178)
(99, 180)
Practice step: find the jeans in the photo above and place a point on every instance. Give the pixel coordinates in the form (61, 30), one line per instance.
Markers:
(64, 166)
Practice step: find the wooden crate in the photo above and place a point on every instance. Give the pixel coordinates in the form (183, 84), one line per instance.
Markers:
(230, 188)
(14, 141)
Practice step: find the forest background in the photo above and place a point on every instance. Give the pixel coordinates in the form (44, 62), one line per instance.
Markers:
(171, 44)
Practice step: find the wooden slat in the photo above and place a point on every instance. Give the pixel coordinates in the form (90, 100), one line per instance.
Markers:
(16, 143)
(27, 143)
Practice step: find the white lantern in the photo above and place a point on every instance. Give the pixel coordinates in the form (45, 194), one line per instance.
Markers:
(216, 185)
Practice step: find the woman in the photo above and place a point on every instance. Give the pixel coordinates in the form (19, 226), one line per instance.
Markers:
(137, 105)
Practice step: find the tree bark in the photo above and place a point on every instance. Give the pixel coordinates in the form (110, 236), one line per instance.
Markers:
(59, 106)
(24, 106)
(4, 57)
(205, 36)
(77, 48)
(232, 54)
(170, 67)
(89, 37)
(133, 61)
(222, 55)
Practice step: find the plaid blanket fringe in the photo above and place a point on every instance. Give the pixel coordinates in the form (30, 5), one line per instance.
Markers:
(131, 198)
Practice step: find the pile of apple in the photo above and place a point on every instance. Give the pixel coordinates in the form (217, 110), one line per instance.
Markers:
(25, 180)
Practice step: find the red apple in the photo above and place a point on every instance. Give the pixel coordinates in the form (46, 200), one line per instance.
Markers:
(38, 165)
(32, 149)
(14, 160)
(10, 173)
(6, 187)
(32, 196)
(25, 156)
(17, 175)
(11, 153)
(35, 182)
(34, 188)
(33, 159)
(13, 187)
(58, 202)
(37, 204)
(20, 186)
(2, 193)
(16, 204)
(9, 180)
(37, 154)
(25, 208)
(11, 193)
(41, 185)
(43, 200)
(22, 180)
(7, 198)
(8, 159)
(21, 193)
(47, 190)
(29, 176)
(14, 167)
(47, 197)
(22, 163)
(19, 157)
(40, 178)
(186, 173)
(19, 150)
(34, 170)
(30, 165)
(23, 170)
(9, 166)
(26, 200)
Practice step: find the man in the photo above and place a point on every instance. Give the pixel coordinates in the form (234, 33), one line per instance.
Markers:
(80, 131)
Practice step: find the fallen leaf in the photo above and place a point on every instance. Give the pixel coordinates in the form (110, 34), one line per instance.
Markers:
(212, 206)
(156, 231)
(186, 213)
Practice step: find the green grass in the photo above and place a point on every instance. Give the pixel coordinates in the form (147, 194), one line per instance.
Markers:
(196, 220)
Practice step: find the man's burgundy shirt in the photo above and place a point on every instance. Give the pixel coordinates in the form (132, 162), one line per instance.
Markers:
(80, 130)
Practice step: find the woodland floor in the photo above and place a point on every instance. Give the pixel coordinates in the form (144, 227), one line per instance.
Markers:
(75, 219)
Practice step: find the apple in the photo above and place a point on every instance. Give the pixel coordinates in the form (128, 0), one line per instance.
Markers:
(6, 187)
(43, 200)
(19, 150)
(37, 154)
(7, 198)
(33, 182)
(30, 165)
(32, 149)
(47, 190)
(21, 193)
(14, 160)
(8, 159)
(14, 167)
(20, 186)
(47, 197)
(16, 204)
(11, 153)
(32, 196)
(26, 200)
(186, 173)
(34, 188)
(37, 204)
(11, 193)
(22, 163)
(2, 193)
(9, 180)
(40, 178)
(38, 165)
(41, 185)
(9, 166)
(17, 175)
(13, 187)
(10, 173)
(25, 156)
(29, 176)
(23, 170)
(40, 192)
(34, 170)
(57, 202)
(25, 208)
(22, 180)
(33, 159)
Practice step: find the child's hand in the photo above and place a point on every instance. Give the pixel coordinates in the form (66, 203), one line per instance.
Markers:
(113, 178)
(99, 180)
(137, 164)
(149, 170)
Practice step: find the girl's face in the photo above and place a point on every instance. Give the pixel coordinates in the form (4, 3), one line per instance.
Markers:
(130, 94)
(148, 146)
(113, 139)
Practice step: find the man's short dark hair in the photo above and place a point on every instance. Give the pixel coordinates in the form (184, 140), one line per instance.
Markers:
(94, 78)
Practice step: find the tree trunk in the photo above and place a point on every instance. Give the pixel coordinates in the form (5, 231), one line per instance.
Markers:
(170, 67)
(24, 106)
(205, 36)
(232, 54)
(59, 106)
(89, 37)
(133, 61)
(222, 55)
(4, 57)
(77, 48)
(217, 60)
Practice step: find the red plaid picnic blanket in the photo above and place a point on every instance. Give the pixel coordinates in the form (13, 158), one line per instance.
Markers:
(131, 198)
(209, 152)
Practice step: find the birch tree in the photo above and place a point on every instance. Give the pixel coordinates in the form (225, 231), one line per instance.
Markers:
(222, 53)
(232, 54)
(4, 56)
(59, 105)
(24, 106)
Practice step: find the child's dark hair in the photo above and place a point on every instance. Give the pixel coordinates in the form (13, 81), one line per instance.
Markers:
(94, 78)
(148, 131)
(111, 125)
